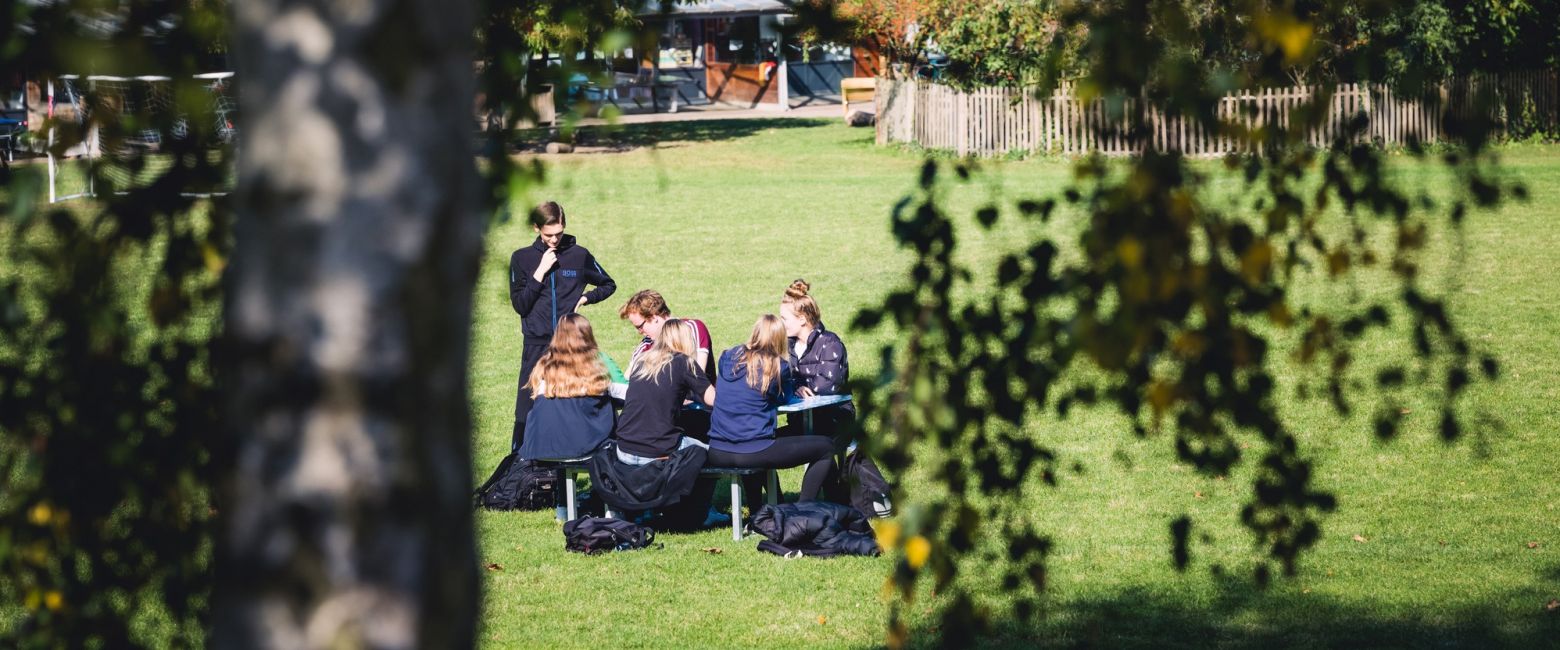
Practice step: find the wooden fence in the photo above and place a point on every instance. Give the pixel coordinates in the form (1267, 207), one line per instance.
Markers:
(1000, 121)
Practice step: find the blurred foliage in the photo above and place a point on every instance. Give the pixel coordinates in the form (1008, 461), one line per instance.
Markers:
(526, 47)
(108, 306)
(1177, 310)
(1014, 42)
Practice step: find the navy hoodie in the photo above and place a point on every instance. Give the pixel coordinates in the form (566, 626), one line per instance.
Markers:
(743, 419)
(541, 304)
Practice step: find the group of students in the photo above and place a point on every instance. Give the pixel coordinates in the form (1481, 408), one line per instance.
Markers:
(680, 396)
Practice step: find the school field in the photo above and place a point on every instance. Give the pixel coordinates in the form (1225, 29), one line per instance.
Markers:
(1433, 545)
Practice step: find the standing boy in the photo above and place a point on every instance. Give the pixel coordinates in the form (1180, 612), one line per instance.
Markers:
(546, 281)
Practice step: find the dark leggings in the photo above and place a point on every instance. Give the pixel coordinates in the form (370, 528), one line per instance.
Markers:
(530, 352)
(787, 452)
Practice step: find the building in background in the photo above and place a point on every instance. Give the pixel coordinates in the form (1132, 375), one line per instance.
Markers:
(735, 52)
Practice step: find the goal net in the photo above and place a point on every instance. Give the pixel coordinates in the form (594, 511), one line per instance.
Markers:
(115, 135)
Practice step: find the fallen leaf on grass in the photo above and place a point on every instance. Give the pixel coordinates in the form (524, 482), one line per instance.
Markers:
(822, 620)
(1532, 544)
(1552, 606)
(494, 566)
(712, 550)
(1360, 538)
(1404, 411)
(1197, 494)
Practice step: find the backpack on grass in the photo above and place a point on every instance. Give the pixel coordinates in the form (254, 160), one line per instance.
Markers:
(592, 535)
(518, 485)
(860, 484)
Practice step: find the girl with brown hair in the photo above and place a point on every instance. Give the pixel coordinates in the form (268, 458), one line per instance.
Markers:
(572, 415)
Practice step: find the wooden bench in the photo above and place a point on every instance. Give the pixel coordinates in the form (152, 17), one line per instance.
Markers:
(771, 494)
(858, 89)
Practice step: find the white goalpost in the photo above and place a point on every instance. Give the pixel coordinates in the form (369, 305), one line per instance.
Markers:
(83, 103)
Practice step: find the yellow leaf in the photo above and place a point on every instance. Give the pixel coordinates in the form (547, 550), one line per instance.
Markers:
(1292, 35)
(1279, 313)
(1159, 396)
(53, 600)
(1254, 264)
(40, 514)
(917, 549)
(1130, 252)
(887, 534)
(213, 258)
(823, 620)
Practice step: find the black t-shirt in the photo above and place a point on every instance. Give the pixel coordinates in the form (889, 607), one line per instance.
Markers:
(648, 424)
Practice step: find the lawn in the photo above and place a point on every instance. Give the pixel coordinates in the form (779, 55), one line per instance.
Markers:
(1432, 544)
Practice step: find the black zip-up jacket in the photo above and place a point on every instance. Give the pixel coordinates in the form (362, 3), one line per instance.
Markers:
(541, 304)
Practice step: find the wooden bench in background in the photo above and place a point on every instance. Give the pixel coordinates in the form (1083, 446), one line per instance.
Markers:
(857, 89)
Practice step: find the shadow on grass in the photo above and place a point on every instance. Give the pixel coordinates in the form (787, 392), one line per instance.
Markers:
(1242, 616)
(622, 137)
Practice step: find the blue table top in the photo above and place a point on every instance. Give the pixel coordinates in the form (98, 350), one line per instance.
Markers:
(813, 402)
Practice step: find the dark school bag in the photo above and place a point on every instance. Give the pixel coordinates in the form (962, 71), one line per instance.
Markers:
(861, 485)
(592, 535)
(518, 485)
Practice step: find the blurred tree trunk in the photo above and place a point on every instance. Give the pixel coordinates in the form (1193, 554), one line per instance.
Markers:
(345, 511)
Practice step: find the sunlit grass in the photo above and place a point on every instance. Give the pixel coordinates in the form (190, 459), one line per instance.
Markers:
(722, 223)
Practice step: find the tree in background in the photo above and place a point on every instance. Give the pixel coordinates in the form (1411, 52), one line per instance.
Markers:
(894, 29)
(999, 43)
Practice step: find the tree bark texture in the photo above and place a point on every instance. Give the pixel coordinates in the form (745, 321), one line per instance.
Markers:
(345, 511)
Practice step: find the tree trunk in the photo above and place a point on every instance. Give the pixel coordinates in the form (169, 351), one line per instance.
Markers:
(345, 511)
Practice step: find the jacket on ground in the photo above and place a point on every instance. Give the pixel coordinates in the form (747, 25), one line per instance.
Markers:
(816, 528)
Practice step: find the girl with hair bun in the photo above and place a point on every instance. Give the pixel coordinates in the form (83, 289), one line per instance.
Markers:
(818, 358)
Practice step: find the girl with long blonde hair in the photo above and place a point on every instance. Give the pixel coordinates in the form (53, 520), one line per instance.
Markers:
(571, 415)
(659, 383)
(753, 381)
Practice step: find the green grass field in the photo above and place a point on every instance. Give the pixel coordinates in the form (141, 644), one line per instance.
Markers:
(722, 216)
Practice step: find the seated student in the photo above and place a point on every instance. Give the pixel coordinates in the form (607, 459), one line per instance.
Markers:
(572, 415)
(648, 435)
(753, 381)
(820, 364)
(658, 383)
(647, 311)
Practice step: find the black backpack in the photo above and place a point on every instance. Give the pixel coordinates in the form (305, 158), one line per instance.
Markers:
(860, 484)
(592, 535)
(518, 485)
